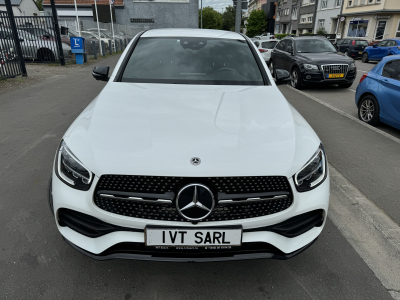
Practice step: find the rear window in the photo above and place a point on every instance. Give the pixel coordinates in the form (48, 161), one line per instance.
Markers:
(361, 43)
(268, 45)
(192, 60)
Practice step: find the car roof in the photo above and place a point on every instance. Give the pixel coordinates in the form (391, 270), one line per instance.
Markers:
(205, 33)
(313, 37)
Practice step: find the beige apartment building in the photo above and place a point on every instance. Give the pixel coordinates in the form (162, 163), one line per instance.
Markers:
(373, 20)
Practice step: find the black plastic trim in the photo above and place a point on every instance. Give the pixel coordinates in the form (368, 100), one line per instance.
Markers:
(177, 258)
(122, 67)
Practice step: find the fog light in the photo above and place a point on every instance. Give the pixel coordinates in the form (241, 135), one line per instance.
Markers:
(308, 77)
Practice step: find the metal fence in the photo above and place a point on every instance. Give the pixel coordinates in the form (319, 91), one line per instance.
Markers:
(38, 39)
(10, 64)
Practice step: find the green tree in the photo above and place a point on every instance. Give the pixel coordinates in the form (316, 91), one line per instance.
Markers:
(228, 19)
(211, 18)
(256, 23)
(321, 30)
(39, 4)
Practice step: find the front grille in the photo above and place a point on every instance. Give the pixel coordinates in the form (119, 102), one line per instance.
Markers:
(335, 69)
(163, 187)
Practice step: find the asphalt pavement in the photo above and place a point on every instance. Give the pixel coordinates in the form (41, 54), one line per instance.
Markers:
(37, 263)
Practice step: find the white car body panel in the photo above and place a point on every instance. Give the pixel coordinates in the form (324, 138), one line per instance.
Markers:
(155, 129)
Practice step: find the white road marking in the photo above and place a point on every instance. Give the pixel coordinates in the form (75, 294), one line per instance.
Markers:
(352, 90)
(373, 234)
(347, 115)
(362, 71)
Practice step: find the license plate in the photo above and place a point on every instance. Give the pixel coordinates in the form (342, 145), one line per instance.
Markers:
(360, 53)
(334, 75)
(177, 236)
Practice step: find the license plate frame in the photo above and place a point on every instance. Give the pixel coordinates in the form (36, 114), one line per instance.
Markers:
(360, 53)
(335, 76)
(152, 241)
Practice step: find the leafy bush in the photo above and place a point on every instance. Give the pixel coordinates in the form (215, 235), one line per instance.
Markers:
(321, 30)
(282, 35)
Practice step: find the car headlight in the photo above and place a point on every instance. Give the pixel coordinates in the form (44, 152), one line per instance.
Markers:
(70, 170)
(313, 173)
(310, 67)
(352, 65)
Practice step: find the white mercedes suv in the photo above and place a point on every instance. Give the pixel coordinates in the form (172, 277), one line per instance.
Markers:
(190, 153)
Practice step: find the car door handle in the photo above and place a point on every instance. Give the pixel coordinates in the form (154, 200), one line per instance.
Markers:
(385, 80)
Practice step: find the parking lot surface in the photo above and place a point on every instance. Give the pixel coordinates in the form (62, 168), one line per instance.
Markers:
(37, 263)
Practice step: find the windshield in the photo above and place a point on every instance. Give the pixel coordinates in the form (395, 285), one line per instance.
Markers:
(268, 45)
(189, 60)
(314, 46)
(361, 43)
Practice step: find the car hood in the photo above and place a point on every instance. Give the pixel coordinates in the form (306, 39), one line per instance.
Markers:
(155, 129)
(325, 58)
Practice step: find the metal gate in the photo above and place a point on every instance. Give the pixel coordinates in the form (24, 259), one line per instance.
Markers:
(38, 39)
(10, 63)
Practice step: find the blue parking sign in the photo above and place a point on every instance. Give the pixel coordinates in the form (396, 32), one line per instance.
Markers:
(76, 43)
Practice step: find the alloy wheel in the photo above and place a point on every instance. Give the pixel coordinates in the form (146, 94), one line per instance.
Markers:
(294, 78)
(364, 58)
(367, 110)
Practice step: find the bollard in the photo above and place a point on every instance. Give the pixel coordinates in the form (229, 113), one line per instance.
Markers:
(122, 45)
(116, 46)
(110, 46)
(84, 57)
(103, 48)
(125, 42)
(94, 49)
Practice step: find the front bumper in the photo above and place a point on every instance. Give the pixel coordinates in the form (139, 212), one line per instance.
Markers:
(258, 241)
(317, 76)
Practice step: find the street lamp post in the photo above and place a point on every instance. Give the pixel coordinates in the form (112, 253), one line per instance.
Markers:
(201, 13)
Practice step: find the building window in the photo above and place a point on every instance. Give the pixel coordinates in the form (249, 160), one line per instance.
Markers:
(370, 1)
(350, 2)
(309, 19)
(305, 2)
(312, 1)
(357, 29)
(324, 4)
(294, 13)
(142, 20)
(321, 23)
(398, 30)
(378, 1)
(303, 18)
(380, 30)
(338, 3)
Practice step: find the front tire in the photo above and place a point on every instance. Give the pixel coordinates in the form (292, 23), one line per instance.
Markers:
(365, 57)
(295, 78)
(368, 110)
(271, 68)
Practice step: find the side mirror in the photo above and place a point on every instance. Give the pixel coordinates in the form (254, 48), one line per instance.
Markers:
(375, 46)
(282, 77)
(101, 73)
(289, 49)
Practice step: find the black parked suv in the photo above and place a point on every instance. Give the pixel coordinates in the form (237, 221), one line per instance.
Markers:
(312, 60)
(352, 47)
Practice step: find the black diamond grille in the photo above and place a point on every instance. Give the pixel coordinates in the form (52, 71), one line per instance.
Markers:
(158, 185)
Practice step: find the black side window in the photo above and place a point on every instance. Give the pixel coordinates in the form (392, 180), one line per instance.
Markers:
(391, 44)
(382, 44)
(390, 68)
(281, 45)
(339, 42)
(289, 43)
(396, 74)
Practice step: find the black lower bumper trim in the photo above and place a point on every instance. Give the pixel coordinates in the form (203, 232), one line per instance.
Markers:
(188, 257)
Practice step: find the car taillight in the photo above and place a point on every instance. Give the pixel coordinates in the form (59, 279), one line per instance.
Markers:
(363, 77)
(262, 50)
(353, 43)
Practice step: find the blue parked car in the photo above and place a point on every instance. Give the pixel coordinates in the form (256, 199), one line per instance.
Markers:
(380, 50)
(378, 94)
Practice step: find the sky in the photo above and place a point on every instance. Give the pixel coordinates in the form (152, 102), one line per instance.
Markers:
(218, 5)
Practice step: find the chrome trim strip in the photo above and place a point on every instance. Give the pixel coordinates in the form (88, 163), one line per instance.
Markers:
(156, 201)
(252, 199)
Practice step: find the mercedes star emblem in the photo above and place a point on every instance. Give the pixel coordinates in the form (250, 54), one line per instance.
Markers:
(195, 161)
(195, 202)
